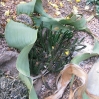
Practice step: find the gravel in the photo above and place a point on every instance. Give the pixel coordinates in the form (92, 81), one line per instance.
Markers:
(11, 88)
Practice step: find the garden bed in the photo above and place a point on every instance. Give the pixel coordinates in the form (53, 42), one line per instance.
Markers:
(45, 90)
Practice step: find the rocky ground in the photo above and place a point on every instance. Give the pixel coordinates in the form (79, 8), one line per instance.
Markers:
(8, 55)
(12, 88)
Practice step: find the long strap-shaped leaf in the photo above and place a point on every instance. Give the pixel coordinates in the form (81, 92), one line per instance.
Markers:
(78, 21)
(22, 37)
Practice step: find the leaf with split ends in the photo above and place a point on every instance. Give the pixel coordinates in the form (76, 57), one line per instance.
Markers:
(71, 19)
(59, 22)
(80, 23)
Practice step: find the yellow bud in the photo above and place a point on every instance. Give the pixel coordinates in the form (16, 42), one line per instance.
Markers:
(67, 17)
(67, 52)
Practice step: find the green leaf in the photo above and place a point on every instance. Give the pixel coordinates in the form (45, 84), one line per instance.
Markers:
(85, 96)
(80, 23)
(95, 52)
(97, 11)
(19, 35)
(26, 8)
(90, 1)
(77, 59)
(28, 82)
(96, 47)
(22, 37)
(22, 63)
(67, 21)
(48, 22)
(39, 8)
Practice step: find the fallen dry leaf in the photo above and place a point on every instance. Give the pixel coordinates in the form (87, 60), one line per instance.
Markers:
(61, 4)
(2, 3)
(57, 13)
(8, 20)
(54, 5)
(87, 7)
(63, 80)
(75, 10)
(7, 13)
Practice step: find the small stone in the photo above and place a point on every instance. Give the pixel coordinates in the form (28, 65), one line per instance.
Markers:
(25, 19)
(25, 97)
(17, 97)
(6, 56)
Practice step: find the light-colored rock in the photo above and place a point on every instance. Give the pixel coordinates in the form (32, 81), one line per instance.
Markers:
(9, 67)
(93, 79)
(7, 56)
